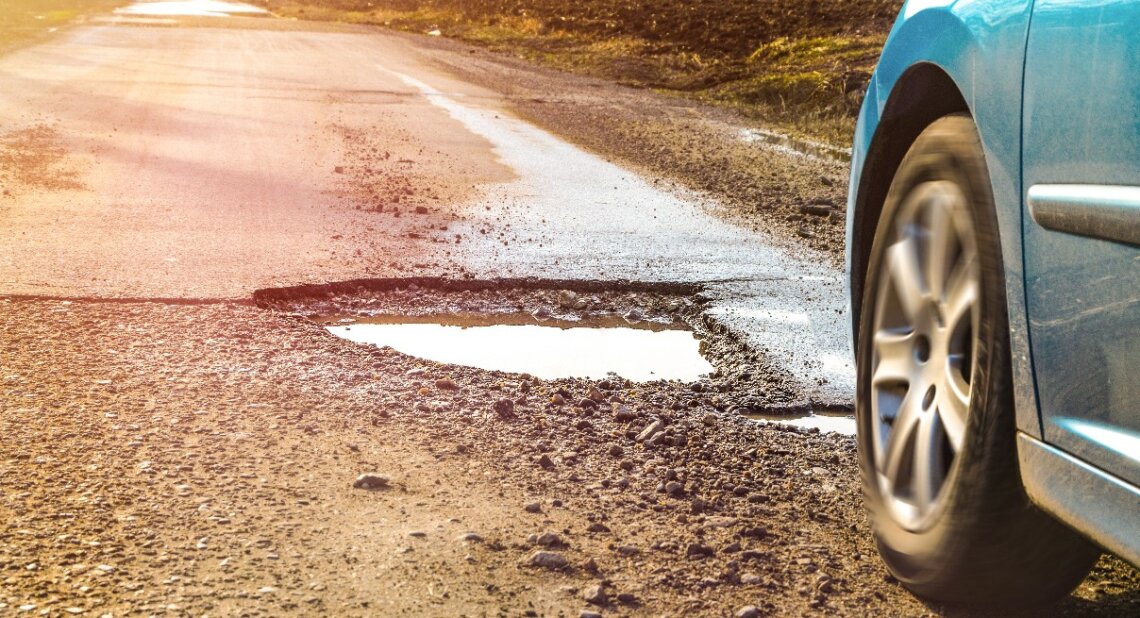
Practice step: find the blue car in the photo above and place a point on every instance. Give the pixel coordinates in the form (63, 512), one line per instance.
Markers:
(993, 252)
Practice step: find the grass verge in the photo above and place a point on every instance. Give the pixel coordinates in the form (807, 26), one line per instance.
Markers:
(802, 65)
(26, 21)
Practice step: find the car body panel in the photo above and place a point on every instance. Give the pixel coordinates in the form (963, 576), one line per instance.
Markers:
(981, 45)
(1081, 169)
(1073, 491)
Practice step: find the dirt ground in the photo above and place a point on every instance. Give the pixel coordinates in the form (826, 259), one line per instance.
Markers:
(201, 459)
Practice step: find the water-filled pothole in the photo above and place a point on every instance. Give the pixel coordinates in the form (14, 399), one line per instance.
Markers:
(826, 421)
(550, 349)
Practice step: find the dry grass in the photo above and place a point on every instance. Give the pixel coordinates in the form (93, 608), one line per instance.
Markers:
(803, 65)
(24, 21)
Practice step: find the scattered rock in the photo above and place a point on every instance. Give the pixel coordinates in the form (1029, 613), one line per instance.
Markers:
(372, 481)
(505, 408)
(589, 613)
(650, 431)
(533, 507)
(549, 539)
(595, 595)
(548, 560)
(470, 537)
(545, 462)
(446, 384)
(696, 550)
(748, 611)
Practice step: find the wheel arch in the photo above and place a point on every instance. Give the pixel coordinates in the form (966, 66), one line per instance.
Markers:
(923, 94)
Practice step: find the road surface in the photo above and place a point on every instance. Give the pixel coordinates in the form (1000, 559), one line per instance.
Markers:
(172, 448)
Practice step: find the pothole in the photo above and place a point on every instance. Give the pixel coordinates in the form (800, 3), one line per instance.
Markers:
(549, 349)
(834, 421)
(564, 331)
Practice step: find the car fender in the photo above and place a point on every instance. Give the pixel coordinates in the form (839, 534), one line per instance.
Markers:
(980, 48)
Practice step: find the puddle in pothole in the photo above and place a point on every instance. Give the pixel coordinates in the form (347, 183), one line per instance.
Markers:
(594, 348)
(835, 422)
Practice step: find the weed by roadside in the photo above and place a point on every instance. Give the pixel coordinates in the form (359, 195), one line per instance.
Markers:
(803, 65)
(22, 21)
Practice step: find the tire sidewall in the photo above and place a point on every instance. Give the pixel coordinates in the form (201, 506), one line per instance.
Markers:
(949, 149)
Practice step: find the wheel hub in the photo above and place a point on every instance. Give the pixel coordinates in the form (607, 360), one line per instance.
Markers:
(925, 321)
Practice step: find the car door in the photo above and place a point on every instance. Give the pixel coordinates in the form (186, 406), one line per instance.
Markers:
(1081, 158)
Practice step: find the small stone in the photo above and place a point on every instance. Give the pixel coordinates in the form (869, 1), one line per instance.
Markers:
(709, 419)
(545, 462)
(616, 451)
(750, 579)
(542, 313)
(595, 595)
(590, 566)
(748, 611)
(470, 537)
(624, 413)
(557, 399)
(567, 299)
(673, 488)
(548, 560)
(651, 430)
(633, 315)
(419, 534)
(628, 550)
(372, 481)
(595, 394)
(505, 408)
(628, 598)
(549, 539)
(696, 550)
(533, 507)
(421, 210)
(446, 384)
(597, 527)
(589, 613)
(338, 169)
(821, 209)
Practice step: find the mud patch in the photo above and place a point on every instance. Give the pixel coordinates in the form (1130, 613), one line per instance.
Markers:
(34, 158)
(544, 348)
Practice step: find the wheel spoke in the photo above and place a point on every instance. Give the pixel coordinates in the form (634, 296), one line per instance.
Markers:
(953, 407)
(941, 242)
(961, 290)
(906, 275)
(902, 432)
(895, 352)
(927, 471)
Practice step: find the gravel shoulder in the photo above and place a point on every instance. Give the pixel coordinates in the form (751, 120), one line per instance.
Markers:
(201, 459)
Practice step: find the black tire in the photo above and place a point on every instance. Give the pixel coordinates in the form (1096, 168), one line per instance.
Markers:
(983, 543)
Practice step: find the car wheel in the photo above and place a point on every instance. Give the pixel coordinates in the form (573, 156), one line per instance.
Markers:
(936, 432)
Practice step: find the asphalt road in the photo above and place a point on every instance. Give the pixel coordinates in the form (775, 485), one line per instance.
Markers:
(206, 162)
